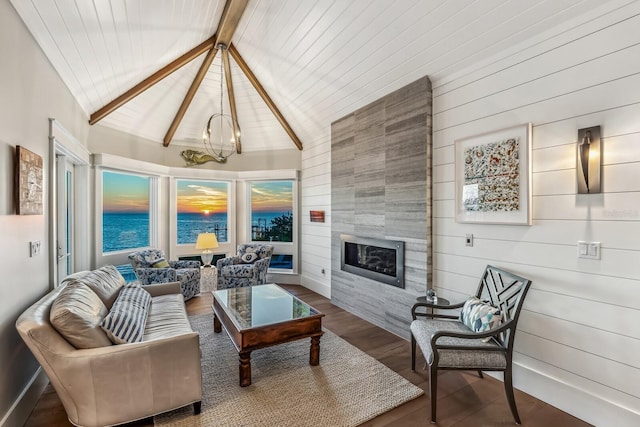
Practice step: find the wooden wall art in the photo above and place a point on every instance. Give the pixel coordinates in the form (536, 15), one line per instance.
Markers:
(28, 189)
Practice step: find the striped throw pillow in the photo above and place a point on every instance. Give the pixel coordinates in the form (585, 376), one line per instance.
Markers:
(126, 321)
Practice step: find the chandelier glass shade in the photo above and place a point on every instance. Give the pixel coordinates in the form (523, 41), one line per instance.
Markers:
(218, 137)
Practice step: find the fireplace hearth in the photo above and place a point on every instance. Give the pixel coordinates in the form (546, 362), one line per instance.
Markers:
(376, 259)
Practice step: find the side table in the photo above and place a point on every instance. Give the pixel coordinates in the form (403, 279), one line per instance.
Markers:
(433, 303)
(208, 278)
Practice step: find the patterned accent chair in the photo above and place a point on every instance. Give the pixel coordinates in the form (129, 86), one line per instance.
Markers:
(248, 268)
(151, 266)
(480, 338)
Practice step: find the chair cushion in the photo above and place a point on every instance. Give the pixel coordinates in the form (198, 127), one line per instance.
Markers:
(76, 313)
(105, 282)
(480, 358)
(126, 321)
(249, 258)
(160, 263)
(238, 270)
(479, 316)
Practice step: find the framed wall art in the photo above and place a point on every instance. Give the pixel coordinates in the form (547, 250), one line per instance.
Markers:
(29, 174)
(492, 177)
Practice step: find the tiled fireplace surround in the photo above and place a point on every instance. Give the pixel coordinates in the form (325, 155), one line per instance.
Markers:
(380, 188)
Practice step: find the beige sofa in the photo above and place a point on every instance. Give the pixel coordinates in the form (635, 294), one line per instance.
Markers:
(105, 384)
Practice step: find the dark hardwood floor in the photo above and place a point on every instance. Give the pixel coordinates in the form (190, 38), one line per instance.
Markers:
(463, 398)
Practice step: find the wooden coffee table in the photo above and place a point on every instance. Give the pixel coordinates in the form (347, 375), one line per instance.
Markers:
(262, 316)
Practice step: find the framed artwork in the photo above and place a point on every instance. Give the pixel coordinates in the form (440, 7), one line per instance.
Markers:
(492, 177)
(29, 175)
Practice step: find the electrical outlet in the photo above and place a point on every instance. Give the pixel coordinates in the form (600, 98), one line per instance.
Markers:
(468, 240)
(34, 248)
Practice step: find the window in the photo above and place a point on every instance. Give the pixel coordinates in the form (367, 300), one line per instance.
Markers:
(272, 211)
(125, 211)
(202, 206)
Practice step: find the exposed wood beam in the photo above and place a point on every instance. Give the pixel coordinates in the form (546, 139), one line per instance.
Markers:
(265, 96)
(152, 79)
(195, 84)
(233, 10)
(232, 99)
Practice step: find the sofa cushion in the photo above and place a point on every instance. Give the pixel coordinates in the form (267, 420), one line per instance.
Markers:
(167, 318)
(76, 314)
(127, 318)
(105, 282)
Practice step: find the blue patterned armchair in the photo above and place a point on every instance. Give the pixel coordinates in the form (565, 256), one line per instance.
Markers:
(248, 268)
(151, 266)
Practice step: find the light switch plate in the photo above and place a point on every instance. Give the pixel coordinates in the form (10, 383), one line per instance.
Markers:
(468, 240)
(34, 248)
(588, 250)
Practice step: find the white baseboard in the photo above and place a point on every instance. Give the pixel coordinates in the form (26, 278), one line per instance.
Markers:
(571, 399)
(317, 287)
(17, 415)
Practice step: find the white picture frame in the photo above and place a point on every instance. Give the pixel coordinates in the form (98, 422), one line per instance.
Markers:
(493, 177)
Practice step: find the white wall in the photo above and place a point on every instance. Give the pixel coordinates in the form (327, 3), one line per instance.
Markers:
(31, 93)
(578, 341)
(315, 239)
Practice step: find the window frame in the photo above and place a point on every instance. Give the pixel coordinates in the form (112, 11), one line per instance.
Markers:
(187, 249)
(284, 248)
(121, 256)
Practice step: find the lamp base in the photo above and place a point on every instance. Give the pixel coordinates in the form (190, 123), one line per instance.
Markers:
(207, 257)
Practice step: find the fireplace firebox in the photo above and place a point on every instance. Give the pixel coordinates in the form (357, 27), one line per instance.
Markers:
(376, 259)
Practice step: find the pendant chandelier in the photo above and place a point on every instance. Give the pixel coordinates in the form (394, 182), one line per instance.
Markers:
(221, 134)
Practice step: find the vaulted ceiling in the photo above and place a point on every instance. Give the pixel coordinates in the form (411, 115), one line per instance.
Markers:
(318, 60)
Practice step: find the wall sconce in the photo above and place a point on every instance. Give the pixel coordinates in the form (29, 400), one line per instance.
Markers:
(206, 241)
(589, 160)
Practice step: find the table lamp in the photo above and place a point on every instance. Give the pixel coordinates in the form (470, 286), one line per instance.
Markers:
(207, 241)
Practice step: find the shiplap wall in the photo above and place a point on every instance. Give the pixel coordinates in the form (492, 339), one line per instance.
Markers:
(315, 237)
(579, 335)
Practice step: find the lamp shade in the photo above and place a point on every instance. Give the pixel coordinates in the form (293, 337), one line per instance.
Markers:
(206, 241)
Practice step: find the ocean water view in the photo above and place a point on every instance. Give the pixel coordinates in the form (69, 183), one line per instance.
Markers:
(127, 230)
(124, 230)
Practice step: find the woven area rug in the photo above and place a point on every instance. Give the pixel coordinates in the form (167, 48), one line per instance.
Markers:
(348, 387)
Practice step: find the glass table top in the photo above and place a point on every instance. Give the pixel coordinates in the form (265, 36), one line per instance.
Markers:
(262, 305)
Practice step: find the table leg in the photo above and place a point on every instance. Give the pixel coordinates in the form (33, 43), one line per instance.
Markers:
(245, 369)
(314, 353)
(217, 326)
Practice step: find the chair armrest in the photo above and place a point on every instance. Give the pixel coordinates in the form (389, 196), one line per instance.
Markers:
(415, 314)
(470, 336)
(184, 264)
(148, 276)
(232, 260)
(261, 265)
(157, 289)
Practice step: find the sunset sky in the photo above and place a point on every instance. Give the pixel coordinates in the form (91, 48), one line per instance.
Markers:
(202, 197)
(130, 193)
(124, 192)
(272, 196)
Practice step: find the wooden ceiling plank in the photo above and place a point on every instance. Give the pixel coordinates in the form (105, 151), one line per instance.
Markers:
(265, 96)
(195, 84)
(232, 100)
(174, 65)
(229, 20)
